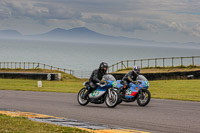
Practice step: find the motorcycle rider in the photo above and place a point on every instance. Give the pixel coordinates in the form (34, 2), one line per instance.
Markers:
(96, 77)
(131, 77)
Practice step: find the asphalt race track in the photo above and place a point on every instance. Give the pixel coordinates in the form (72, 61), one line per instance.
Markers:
(158, 116)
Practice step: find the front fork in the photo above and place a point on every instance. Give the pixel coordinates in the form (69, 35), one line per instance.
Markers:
(140, 94)
(109, 93)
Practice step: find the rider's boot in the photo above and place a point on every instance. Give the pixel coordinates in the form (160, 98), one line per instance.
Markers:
(87, 93)
(124, 91)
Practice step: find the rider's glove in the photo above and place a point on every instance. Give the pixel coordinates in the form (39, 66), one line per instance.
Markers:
(102, 83)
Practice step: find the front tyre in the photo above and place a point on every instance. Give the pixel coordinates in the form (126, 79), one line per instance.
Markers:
(112, 100)
(144, 98)
(82, 101)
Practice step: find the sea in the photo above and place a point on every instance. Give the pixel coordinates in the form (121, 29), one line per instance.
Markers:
(83, 58)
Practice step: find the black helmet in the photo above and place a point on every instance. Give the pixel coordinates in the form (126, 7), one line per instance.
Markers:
(136, 69)
(103, 66)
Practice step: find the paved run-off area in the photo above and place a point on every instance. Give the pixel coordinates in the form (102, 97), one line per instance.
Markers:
(158, 116)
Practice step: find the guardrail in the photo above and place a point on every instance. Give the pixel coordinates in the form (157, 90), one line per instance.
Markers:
(156, 62)
(32, 65)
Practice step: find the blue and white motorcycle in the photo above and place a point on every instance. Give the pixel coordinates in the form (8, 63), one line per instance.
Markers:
(136, 91)
(103, 93)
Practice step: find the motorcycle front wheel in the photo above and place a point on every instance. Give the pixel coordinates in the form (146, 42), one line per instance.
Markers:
(82, 101)
(144, 98)
(112, 100)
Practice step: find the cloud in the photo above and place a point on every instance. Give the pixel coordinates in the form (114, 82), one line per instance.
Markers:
(35, 10)
(178, 27)
(130, 16)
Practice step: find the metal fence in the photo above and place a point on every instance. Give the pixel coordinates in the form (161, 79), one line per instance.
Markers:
(32, 65)
(156, 62)
(82, 73)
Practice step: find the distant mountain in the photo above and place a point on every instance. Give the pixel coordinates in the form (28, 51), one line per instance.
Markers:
(74, 33)
(80, 34)
(83, 34)
(9, 34)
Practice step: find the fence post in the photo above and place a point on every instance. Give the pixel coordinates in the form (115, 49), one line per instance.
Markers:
(193, 60)
(181, 61)
(44, 66)
(134, 62)
(112, 68)
(163, 62)
(51, 68)
(127, 63)
(141, 63)
(155, 62)
(172, 61)
(15, 65)
(70, 72)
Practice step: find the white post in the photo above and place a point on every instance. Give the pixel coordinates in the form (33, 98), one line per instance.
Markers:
(39, 84)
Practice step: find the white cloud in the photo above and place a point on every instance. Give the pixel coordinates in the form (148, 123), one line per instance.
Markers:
(36, 10)
(123, 16)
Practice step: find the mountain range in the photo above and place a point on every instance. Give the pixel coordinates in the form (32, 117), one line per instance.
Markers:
(83, 34)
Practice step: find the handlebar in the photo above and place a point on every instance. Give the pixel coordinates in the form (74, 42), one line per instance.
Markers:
(137, 82)
(102, 85)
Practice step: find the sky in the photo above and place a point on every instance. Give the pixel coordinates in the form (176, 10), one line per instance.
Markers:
(158, 20)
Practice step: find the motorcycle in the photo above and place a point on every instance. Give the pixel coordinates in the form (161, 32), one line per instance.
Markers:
(103, 93)
(136, 91)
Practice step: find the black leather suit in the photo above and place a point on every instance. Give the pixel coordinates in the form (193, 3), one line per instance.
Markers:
(96, 77)
(129, 77)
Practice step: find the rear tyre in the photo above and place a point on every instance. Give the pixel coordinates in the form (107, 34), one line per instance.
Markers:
(82, 101)
(120, 101)
(145, 98)
(112, 101)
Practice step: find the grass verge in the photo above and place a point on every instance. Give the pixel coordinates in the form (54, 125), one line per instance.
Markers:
(188, 90)
(24, 125)
(164, 89)
(68, 86)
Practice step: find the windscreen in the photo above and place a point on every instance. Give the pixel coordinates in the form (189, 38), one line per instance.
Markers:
(141, 77)
(109, 77)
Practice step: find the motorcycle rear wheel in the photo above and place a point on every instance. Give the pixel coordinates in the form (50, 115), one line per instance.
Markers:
(112, 101)
(82, 101)
(144, 99)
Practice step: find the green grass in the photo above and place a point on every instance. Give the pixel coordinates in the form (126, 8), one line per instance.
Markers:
(24, 125)
(69, 86)
(176, 89)
(164, 89)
